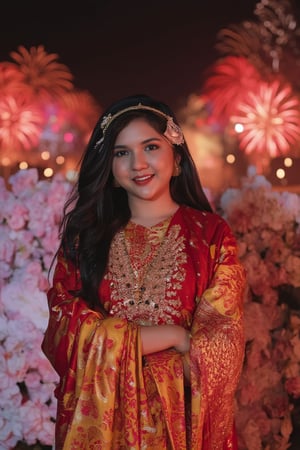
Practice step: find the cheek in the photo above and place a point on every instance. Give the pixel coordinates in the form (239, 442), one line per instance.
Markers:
(167, 164)
(162, 159)
(117, 168)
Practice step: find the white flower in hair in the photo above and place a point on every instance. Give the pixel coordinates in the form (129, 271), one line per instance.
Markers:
(173, 132)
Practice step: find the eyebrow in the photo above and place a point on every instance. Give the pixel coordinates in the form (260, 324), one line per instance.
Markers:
(143, 142)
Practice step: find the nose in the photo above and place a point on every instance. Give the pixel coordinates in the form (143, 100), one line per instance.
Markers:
(139, 160)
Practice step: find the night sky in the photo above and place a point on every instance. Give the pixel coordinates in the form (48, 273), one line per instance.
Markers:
(116, 48)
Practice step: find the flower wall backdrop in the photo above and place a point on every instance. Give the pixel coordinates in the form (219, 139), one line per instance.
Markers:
(29, 218)
(267, 226)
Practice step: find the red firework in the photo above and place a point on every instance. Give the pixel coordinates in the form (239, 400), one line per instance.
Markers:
(21, 123)
(270, 119)
(228, 85)
(42, 71)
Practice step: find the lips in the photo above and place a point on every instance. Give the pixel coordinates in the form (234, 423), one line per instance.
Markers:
(143, 179)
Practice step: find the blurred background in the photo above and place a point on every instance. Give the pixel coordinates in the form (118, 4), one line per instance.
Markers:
(230, 71)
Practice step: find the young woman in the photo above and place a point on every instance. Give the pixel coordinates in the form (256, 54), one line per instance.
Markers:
(145, 327)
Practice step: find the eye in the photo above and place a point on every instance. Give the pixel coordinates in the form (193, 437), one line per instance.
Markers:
(151, 147)
(120, 153)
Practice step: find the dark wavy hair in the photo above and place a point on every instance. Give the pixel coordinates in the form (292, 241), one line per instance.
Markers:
(96, 210)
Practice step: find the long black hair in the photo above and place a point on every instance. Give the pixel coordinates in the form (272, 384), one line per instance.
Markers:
(96, 210)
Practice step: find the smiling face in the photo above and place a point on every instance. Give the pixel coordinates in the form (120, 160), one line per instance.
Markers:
(143, 163)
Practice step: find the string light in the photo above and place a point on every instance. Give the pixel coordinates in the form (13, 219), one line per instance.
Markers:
(288, 162)
(23, 165)
(48, 172)
(45, 155)
(280, 173)
(60, 160)
(230, 158)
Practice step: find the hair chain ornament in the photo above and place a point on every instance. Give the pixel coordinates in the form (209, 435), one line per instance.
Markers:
(173, 132)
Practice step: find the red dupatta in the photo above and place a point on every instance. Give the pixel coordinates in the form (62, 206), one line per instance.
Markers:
(107, 398)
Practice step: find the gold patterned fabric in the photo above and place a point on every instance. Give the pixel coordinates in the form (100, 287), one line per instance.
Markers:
(141, 273)
(182, 271)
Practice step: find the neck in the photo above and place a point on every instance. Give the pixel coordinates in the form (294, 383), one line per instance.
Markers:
(150, 213)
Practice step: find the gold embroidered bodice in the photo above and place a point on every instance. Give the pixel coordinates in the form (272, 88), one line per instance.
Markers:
(146, 272)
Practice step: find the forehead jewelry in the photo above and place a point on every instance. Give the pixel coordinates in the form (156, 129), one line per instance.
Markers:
(173, 132)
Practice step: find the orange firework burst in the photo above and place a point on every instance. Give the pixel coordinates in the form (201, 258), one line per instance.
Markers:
(42, 71)
(11, 79)
(81, 108)
(270, 120)
(228, 85)
(20, 123)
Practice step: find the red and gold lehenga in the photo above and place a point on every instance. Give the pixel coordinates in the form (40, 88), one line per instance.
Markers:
(182, 271)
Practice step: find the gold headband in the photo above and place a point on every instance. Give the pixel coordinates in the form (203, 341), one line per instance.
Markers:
(173, 132)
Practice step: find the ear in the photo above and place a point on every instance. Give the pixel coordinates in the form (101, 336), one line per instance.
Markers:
(177, 158)
(177, 167)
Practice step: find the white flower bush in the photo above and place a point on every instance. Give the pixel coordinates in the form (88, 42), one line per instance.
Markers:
(29, 218)
(267, 226)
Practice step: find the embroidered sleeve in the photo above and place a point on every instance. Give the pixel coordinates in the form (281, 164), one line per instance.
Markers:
(217, 349)
(92, 355)
(225, 292)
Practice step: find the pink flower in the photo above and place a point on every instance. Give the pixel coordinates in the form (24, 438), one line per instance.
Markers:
(6, 271)
(25, 296)
(57, 195)
(11, 399)
(257, 323)
(292, 266)
(7, 246)
(18, 217)
(248, 393)
(23, 181)
(251, 436)
(36, 423)
(10, 430)
(51, 240)
(25, 246)
(276, 403)
(270, 297)
(6, 198)
(292, 386)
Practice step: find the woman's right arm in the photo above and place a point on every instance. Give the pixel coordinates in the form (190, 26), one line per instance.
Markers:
(161, 337)
(68, 316)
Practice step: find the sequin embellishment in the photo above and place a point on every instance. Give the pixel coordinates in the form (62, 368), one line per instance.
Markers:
(150, 292)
